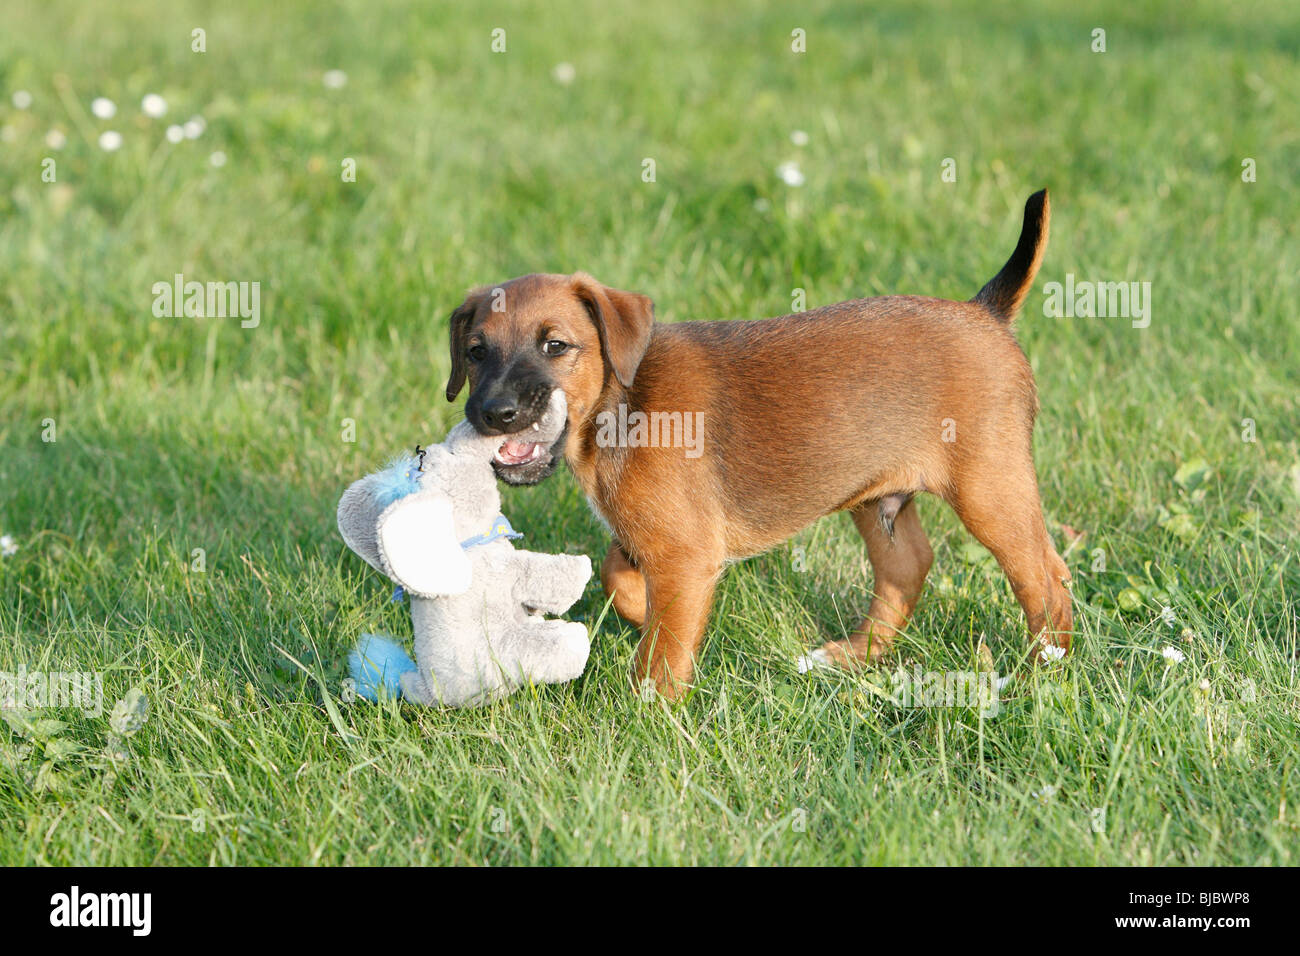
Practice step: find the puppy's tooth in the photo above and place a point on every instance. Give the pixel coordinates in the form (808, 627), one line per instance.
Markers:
(537, 427)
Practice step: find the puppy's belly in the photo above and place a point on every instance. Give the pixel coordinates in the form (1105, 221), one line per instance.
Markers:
(761, 525)
(768, 498)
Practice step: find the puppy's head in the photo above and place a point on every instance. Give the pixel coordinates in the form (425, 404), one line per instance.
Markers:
(518, 342)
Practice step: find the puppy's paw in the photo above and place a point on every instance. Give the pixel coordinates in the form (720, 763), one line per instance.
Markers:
(650, 691)
(817, 659)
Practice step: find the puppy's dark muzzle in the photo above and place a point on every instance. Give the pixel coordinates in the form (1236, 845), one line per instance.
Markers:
(507, 405)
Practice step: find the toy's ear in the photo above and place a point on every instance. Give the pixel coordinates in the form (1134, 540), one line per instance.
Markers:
(417, 544)
(358, 515)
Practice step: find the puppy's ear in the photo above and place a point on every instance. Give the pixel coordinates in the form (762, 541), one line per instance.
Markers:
(623, 321)
(459, 331)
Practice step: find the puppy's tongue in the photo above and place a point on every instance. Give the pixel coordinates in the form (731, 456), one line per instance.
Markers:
(514, 452)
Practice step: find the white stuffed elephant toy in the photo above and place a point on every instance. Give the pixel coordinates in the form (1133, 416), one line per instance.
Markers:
(433, 524)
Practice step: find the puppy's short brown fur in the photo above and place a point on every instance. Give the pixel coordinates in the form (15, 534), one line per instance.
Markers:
(854, 407)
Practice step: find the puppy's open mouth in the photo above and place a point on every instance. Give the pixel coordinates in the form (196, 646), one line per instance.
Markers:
(530, 454)
(515, 452)
(521, 462)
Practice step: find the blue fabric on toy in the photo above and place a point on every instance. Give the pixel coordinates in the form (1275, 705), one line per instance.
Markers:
(500, 529)
(377, 666)
(399, 479)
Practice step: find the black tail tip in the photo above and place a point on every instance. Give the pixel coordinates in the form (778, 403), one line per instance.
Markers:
(1036, 205)
(1006, 291)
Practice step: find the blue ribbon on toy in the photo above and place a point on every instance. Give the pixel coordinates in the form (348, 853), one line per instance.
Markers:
(500, 529)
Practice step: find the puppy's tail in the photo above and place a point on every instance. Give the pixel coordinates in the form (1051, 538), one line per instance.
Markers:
(1006, 291)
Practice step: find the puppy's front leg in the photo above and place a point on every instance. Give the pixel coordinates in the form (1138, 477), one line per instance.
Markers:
(625, 584)
(678, 605)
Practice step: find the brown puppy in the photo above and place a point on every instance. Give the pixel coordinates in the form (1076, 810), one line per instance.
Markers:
(765, 426)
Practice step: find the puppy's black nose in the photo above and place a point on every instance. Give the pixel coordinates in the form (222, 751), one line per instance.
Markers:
(499, 412)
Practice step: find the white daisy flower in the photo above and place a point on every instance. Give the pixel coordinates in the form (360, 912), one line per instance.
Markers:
(217, 159)
(55, 139)
(1053, 653)
(790, 174)
(175, 133)
(1172, 655)
(194, 127)
(564, 73)
(110, 141)
(103, 107)
(22, 99)
(8, 546)
(334, 79)
(153, 105)
(799, 137)
(1168, 616)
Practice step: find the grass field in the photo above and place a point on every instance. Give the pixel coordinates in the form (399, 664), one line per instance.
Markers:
(176, 434)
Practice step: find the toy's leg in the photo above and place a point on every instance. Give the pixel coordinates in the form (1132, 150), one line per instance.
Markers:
(461, 687)
(550, 583)
(546, 652)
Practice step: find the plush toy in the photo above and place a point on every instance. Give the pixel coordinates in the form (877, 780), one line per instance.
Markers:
(433, 524)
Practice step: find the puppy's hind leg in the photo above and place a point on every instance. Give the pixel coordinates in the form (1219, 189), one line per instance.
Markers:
(899, 562)
(999, 504)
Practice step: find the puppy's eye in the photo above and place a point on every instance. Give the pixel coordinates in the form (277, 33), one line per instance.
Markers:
(554, 347)
(477, 352)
